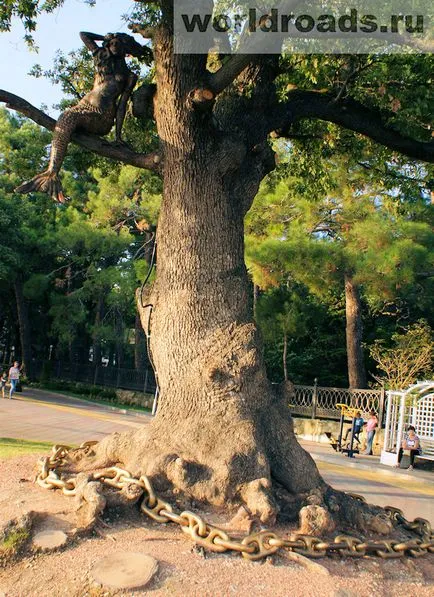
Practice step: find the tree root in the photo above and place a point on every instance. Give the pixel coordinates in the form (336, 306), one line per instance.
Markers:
(255, 463)
(351, 512)
(318, 511)
(90, 502)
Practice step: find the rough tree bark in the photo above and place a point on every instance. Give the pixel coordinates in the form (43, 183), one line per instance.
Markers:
(354, 335)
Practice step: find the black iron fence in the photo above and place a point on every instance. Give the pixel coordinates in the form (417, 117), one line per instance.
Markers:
(142, 380)
(308, 401)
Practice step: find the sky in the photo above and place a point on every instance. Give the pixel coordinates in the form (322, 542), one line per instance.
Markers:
(59, 30)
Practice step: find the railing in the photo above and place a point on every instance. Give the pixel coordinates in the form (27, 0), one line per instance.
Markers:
(308, 401)
(320, 402)
(142, 380)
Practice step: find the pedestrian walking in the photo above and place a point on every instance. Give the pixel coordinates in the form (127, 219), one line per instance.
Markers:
(371, 427)
(14, 376)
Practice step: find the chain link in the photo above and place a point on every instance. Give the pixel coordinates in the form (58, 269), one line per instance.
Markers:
(256, 545)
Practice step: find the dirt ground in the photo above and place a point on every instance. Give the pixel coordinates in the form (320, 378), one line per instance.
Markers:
(182, 569)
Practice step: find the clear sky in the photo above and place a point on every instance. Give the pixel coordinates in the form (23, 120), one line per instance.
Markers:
(59, 30)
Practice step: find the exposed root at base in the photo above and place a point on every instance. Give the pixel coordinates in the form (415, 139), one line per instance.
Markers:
(318, 511)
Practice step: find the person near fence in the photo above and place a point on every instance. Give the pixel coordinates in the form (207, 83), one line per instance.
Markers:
(410, 442)
(371, 427)
(3, 381)
(14, 376)
(358, 426)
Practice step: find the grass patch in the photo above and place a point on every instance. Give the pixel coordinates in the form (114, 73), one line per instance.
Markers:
(13, 542)
(17, 447)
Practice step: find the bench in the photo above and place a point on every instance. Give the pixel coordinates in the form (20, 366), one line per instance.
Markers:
(427, 445)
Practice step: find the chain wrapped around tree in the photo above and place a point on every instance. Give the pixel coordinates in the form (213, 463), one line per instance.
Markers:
(256, 545)
(222, 434)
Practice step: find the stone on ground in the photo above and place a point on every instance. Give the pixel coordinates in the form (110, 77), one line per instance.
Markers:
(125, 570)
(50, 539)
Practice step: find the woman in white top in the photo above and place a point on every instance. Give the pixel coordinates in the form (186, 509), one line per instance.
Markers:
(14, 376)
(410, 442)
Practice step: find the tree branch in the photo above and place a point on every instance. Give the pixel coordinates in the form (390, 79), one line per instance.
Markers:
(229, 72)
(151, 161)
(351, 115)
(395, 175)
(146, 32)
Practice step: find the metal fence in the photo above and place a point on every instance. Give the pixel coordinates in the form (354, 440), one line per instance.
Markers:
(142, 380)
(319, 402)
(308, 401)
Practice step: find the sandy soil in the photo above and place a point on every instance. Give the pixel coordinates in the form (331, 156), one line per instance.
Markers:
(183, 569)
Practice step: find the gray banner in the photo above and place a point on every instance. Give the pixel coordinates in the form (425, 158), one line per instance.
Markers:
(338, 26)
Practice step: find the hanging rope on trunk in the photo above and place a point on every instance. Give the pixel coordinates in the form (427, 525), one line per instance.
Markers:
(148, 330)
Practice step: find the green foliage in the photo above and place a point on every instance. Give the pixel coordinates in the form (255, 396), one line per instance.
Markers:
(375, 229)
(337, 205)
(408, 357)
(398, 84)
(74, 72)
(316, 335)
(79, 263)
(26, 10)
(97, 394)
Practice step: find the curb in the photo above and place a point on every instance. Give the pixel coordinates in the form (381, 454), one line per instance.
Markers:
(107, 407)
(373, 468)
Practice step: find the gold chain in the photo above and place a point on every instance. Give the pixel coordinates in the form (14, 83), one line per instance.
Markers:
(256, 545)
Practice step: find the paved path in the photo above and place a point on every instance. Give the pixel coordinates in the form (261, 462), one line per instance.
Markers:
(47, 416)
(413, 492)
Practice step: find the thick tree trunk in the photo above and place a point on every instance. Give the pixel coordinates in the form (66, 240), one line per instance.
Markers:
(222, 434)
(354, 335)
(24, 326)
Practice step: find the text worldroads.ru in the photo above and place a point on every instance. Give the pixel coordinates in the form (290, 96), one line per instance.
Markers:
(273, 22)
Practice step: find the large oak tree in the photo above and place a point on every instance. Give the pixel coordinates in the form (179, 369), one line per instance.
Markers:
(222, 434)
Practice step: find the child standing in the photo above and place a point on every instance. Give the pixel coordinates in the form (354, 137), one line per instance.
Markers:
(371, 427)
(3, 380)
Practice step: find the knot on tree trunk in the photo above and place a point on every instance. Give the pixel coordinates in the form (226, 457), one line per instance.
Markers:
(230, 154)
(354, 513)
(233, 359)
